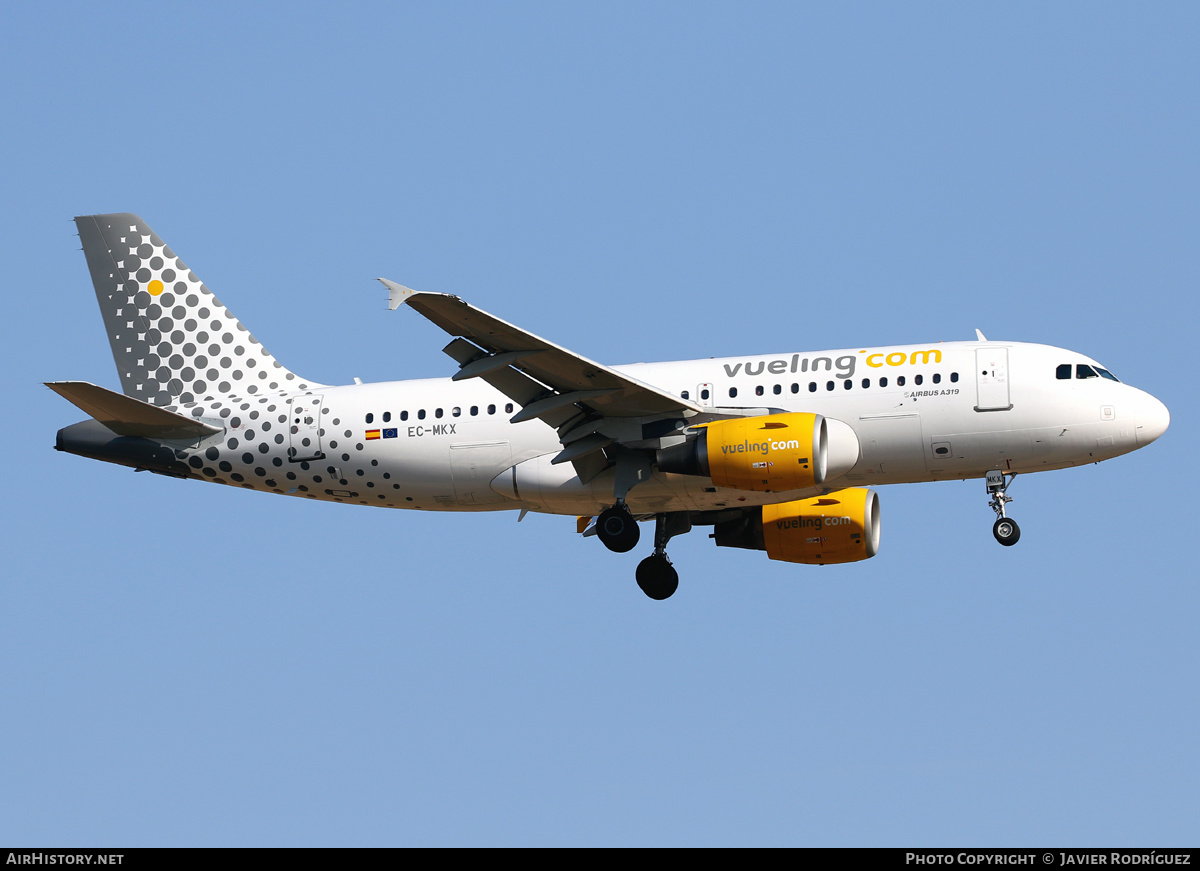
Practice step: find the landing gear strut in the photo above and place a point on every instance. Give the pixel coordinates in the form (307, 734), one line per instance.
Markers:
(1005, 529)
(655, 574)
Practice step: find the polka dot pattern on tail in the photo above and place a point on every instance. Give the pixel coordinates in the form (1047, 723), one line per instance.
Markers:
(163, 323)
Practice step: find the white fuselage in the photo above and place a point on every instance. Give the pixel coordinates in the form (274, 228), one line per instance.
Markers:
(920, 413)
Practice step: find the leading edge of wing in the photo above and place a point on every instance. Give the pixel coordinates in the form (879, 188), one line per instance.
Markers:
(607, 391)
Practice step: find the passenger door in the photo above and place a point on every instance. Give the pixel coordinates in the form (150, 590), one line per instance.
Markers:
(991, 379)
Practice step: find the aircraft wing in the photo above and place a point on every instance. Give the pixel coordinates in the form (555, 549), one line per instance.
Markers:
(548, 381)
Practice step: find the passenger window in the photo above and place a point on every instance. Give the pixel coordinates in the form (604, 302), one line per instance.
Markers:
(491, 409)
(778, 389)
(456, 411)
(421, 414)
(828, 385)
(704, 393)
(866, 383)
(437, 413)
(847, 384)
(1063, 372)
(795, 387)
(937, 377)
(474, 410)
(387, 416)
(758, 391)
(899, 380)
(404, 415)
(812, 386)
(732, 392)
(954, 377)
(1082, 371)
(684, 395)
(370, 417)
(508, 408)
(919, 379)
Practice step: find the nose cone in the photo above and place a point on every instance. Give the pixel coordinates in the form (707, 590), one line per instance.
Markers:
(1152, 420)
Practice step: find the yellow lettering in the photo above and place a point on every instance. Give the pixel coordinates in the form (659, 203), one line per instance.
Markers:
(924, 355)
(899, 362)
(872, 357)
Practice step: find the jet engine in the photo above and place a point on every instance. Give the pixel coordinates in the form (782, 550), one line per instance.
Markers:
(767, 453)
(841, 527)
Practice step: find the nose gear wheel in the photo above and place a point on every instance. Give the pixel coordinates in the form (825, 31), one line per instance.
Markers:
(1005, 529)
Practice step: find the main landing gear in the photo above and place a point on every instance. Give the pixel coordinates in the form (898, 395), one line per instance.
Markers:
(618, 530)
(657, 577)
(1005, 529)
(655, 574)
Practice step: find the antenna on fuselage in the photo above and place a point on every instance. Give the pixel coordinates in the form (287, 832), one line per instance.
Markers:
(980, 336)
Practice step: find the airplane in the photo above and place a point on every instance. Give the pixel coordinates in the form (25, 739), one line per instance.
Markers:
(775, 452)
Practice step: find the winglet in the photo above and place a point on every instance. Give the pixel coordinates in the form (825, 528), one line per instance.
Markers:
(980, 336)
(397, 293)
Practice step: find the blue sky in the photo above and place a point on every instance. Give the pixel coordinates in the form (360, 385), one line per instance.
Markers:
(183, 664)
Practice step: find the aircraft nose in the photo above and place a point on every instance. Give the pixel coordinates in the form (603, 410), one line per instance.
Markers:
(1152, 420)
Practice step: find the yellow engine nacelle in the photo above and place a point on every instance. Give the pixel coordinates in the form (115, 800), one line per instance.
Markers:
(842, 527)
(773, 452)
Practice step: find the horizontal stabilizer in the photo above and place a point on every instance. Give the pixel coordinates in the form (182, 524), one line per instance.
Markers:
(127, 416)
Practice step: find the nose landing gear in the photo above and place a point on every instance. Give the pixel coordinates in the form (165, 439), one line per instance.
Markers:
(1005, 529)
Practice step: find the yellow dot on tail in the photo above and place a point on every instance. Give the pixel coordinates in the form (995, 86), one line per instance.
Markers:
(155, 287)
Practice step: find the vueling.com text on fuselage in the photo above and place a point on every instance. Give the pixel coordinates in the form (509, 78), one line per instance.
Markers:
(845, 364)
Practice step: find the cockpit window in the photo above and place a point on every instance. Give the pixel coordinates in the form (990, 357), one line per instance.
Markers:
(1063, 372)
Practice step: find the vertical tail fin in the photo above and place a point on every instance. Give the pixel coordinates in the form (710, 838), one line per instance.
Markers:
(172, 340)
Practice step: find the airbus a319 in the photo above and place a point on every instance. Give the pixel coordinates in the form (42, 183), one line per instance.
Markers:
(775, 453)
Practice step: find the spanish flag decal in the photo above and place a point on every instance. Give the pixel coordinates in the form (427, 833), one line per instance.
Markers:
(372, 434)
